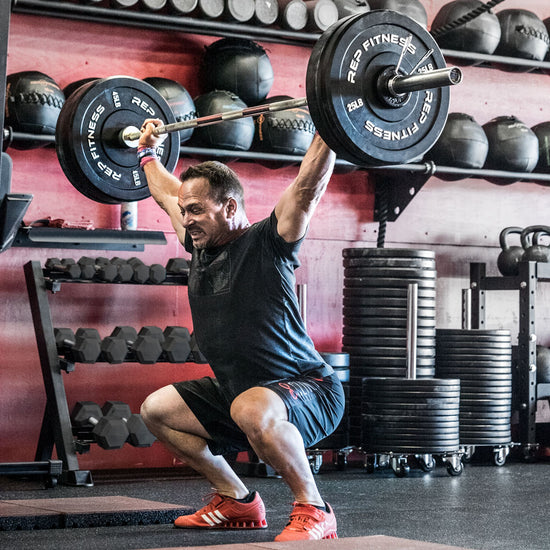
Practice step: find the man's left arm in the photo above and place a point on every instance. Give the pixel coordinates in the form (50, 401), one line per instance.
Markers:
(297, 203)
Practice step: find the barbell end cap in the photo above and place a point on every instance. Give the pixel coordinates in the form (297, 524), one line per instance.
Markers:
(129, 137)
(455, 75)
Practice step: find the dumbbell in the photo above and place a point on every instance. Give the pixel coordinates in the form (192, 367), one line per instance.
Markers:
(67, 267)
(108, 432)
(154, 273)
(138, 433)
(126, 344)
(124, 270)
(97, 268)
(177, 266)
(176, 346)
(82, 347)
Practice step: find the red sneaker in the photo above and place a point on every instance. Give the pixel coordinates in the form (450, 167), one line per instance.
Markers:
(226, 513)
(309, 523)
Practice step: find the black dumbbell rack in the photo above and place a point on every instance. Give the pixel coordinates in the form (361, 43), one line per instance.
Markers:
(56, 424)
(526, 389)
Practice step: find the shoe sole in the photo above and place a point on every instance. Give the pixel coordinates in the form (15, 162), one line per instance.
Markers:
(229, 525)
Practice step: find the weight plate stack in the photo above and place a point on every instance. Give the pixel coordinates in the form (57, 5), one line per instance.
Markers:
(482, 361)
(410, 416)
(375, 290)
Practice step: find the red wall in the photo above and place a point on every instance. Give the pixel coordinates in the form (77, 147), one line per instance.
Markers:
(444, 214)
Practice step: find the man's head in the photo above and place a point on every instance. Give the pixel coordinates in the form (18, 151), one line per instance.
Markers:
(211, 201)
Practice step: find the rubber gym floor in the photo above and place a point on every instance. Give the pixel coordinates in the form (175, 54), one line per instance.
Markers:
(487, 507)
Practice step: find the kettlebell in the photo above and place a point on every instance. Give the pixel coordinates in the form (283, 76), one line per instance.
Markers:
(535, 252)
(510, 256)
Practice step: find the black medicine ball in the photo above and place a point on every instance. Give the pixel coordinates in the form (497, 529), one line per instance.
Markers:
(235, 134)
(523, 34)
(179, 100)
(412, 8)
(513, 147)
(542, 131)
(462, 144)
(33, 103)
(73, 86)
(288, 132)
(481, 34)
(240, 66)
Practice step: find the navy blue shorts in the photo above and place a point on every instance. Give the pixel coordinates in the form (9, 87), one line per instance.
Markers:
(315, 406)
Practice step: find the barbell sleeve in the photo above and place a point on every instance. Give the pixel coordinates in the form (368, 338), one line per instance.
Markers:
(396, 85)
(403, 84)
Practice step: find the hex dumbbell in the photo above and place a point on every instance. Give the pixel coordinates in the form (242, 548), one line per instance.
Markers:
(108, 432)
(138, 433)
(176, 346)
(66, 267)
(82, 347)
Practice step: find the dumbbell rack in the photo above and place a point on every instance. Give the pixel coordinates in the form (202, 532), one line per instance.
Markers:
(56, 426)
(526, 389)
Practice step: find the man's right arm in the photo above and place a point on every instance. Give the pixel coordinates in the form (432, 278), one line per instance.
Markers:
(163, 185)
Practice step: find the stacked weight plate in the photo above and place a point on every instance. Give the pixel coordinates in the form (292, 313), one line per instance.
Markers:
(376, 282)
(482, 360)
(410, 416)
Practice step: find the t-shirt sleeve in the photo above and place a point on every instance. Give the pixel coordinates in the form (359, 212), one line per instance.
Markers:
(286, 250)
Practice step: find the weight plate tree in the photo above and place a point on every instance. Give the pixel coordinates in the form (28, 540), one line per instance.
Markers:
(90, 146)
(376, 283)
(377, 90)
(482, 361)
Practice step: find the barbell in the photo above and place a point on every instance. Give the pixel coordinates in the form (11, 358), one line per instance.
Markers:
(377, 88)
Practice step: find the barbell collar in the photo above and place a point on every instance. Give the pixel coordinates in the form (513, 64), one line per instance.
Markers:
(438, 78)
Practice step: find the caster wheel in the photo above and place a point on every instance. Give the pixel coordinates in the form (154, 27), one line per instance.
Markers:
(454, 470)
(402, 470)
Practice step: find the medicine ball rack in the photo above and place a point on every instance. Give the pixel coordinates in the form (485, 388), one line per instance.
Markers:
(398, 193)
(56, 426)
(526, 389)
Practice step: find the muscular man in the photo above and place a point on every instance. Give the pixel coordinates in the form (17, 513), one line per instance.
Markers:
(272, 392)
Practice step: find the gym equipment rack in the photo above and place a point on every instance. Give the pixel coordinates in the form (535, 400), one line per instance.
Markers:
(56, 424)
(526, 391)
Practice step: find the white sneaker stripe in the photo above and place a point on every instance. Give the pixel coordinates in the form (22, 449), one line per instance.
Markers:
(207, 520)
(220, 515)
(317, 532)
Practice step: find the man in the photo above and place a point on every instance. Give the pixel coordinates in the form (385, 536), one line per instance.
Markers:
(272, 392)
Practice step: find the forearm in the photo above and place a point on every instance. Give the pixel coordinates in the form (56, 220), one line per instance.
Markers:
(162, 184)
(314, 174)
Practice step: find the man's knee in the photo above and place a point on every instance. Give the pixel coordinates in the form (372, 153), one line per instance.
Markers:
(257, 410)
(156, 407)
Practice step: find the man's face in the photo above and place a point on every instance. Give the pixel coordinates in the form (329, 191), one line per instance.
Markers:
(205, 220)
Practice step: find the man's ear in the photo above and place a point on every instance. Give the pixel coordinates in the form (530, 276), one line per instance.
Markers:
(231, 207)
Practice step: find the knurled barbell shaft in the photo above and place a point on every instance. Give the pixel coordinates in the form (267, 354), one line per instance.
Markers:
(400, 84)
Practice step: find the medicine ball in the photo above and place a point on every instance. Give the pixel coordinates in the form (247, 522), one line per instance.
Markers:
(33, 103)
(542, 131)
(178, 98)
(412, 8)
(231, 134)
(73, 86)
(462, 144)
(524, 35)
(288, 132)
(481, 34)
(240, 66)
(513, 146)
